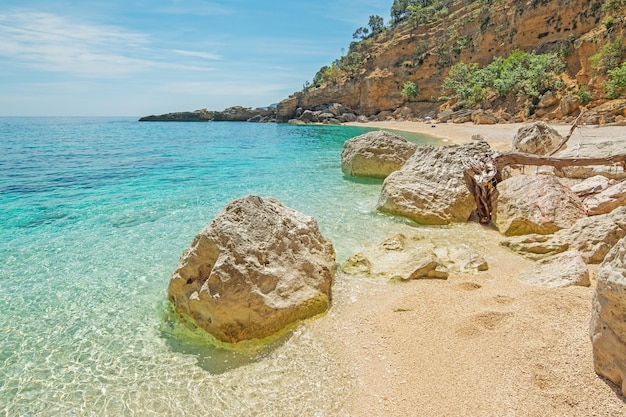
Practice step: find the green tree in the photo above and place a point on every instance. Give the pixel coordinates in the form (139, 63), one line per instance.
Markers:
(410, 90)
(399, 11)
(361, 33)
(376, 24)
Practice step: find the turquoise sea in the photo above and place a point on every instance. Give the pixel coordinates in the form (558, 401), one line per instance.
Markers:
(94, 214)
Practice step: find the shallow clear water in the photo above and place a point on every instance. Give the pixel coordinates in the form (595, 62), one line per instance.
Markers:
(94, 214)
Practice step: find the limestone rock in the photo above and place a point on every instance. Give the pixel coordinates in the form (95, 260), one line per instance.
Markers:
(481, 117)
(570, 104)
(256, 268)
(375, 154)
(534, 204)
(461, 258)
(536, 138)
(594, 146)
(547, 100)
(608, 326)
(561, 270)
(397, 258)
(592, 236)
(430, 188)
(607, 200)
(591, 185)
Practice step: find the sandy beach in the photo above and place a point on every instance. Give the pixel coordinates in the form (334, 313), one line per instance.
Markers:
(479, 344)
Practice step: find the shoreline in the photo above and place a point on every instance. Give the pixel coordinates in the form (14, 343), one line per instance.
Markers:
(480, 344)
(499, 136)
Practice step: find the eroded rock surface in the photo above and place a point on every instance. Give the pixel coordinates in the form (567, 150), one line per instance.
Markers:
(608, 323)
(592, 236)
(536, 138)
(561, 270)
(540, 204)
(401, 258)
(398, 258)
(256, 268)
(607, 200)
(430, 188)
(375, 154)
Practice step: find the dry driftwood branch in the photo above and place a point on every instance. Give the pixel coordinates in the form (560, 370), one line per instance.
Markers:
(518, 158)
(482, 175)
(569, 135)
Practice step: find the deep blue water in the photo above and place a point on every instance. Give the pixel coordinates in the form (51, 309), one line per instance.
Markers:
(94, 213)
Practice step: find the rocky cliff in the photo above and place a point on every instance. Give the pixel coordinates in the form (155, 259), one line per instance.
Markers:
(473, 32)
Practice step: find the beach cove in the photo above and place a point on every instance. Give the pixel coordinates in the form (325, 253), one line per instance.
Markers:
(88, 257)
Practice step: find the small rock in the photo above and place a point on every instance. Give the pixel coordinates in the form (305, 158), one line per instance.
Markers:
(557, 271)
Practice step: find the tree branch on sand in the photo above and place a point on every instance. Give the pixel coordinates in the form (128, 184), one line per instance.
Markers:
(483, 175)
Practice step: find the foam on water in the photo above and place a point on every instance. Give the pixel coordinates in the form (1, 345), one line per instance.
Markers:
(94, 214)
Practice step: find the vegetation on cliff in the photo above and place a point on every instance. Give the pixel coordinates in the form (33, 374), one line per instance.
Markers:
(502, 55)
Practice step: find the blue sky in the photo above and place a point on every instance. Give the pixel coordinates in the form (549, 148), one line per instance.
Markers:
(141, 57)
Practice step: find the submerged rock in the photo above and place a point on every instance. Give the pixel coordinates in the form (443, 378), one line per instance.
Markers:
(375, 154)
(430, 188)
(256, 268)
(526, 204)
(608, 326)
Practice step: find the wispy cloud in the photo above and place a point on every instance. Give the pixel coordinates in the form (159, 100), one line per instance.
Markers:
(193, 7)
(204, 55)
(49, 42)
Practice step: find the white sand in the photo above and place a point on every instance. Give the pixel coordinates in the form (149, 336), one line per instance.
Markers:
(471, 345)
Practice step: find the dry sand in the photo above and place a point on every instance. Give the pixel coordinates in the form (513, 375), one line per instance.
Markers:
(472, 345)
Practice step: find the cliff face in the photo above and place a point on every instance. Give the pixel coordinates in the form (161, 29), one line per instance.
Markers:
(471, 32)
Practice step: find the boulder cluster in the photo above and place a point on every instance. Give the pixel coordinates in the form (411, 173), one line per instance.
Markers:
(231, 114)
(260, 266)
(563, 219)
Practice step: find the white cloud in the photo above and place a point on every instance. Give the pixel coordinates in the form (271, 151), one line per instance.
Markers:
(49, 42)
(204, 55)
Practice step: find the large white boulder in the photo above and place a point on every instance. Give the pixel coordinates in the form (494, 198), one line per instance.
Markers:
(608, 317)
(525, 204)
(256, 268)
(375, 154)
(430, 188)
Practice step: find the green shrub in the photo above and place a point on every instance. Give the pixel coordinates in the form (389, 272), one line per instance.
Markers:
(615, 86)
(609, 56)
(520, 74)
(584, 95)
(410, 90)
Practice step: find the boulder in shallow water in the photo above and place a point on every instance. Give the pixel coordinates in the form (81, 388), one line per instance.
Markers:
(256, 268)
(608, 322)
(375, 154)
(430, 188)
